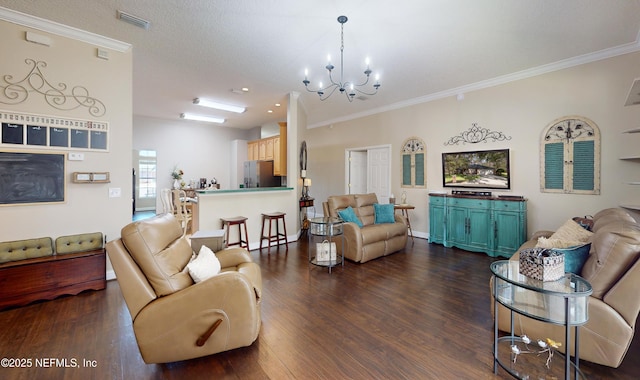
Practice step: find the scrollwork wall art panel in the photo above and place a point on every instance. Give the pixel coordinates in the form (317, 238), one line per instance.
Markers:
(477, 134)
(60, 96)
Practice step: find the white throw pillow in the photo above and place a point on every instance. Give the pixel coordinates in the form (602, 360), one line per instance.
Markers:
(205, 265)
(569, 234)
(572, 231)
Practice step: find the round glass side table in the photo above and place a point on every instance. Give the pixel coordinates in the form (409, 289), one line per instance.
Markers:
(328, 229)
(563, 302)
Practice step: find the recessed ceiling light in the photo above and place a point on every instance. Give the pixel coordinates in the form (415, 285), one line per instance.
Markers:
(210, 119)
(218, 106)
(245, 89)
(277, 104)
(270, 111)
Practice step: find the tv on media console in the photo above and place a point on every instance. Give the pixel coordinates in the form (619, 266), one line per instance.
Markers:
(480, 169)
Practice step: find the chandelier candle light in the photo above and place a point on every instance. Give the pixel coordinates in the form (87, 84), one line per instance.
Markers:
(347, 88)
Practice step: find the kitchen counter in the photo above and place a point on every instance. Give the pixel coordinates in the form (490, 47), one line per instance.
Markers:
(248, 202)
(243, 190)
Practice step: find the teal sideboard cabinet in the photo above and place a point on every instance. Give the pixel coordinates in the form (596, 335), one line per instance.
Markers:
(495, 226)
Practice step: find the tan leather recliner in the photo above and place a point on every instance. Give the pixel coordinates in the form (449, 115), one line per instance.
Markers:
(613, 269)
(173, 318)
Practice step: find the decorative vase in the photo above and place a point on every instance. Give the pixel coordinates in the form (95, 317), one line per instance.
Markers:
(176, 183)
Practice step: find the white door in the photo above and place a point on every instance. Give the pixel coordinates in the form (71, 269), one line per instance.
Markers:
(357, 183)
(379, 173)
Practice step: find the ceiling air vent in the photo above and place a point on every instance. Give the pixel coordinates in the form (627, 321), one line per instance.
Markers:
(634, 93)
(133, 20)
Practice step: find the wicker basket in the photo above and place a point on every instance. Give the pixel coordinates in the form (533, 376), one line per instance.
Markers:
(542, 264)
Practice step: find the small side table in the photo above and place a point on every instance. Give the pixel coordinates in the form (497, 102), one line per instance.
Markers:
(213, 239)
(327, 228)
(404, 210)
(564, 302)
(304, 203)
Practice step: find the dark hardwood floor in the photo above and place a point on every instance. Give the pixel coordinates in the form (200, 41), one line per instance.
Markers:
(423, 313)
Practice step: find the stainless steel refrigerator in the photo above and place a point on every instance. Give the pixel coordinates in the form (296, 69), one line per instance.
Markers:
(260, 174)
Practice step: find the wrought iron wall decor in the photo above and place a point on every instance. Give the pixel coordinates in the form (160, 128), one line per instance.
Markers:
(477, 134)
(59, 97)
(569, 129)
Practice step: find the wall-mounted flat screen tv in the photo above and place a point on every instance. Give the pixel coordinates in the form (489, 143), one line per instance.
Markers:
(481, 169)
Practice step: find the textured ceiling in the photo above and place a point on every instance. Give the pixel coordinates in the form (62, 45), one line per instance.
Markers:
(422, 49)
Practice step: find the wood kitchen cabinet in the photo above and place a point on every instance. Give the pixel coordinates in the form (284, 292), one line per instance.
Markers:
(280, 151)
(268, 155)
(252, 150)
(271, 148)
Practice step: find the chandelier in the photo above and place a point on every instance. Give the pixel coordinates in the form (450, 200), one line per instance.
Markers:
(348, 88)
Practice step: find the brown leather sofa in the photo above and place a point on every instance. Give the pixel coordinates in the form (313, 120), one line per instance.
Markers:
(173, 318)
(613, 269)
(372, 240)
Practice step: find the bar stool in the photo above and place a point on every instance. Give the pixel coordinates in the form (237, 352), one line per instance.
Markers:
(274, 217)
(239, 221)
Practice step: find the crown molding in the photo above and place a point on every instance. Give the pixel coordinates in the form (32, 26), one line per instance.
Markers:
(52, 27)
(528, 73)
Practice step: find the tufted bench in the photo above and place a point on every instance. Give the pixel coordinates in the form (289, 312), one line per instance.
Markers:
(32, 270)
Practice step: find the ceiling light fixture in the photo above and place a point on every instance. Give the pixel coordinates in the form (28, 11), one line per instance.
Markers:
(218, 106)
(347, 88)
(210, 119)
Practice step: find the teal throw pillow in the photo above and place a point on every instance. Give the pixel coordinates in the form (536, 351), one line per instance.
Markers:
(384, 213)
(348, 215)
(575, 257)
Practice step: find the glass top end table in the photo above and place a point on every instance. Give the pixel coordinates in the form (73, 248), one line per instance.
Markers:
(563, 302)
(327, 228)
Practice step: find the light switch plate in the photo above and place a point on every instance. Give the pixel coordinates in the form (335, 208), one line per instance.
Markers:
(115, 192)
(74, 156)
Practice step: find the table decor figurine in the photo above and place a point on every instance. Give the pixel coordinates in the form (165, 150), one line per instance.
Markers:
(547, 346)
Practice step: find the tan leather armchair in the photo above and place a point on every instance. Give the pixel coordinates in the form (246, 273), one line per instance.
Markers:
(173, 318)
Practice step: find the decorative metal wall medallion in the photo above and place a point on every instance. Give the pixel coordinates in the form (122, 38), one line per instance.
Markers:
(476, 134)
(413, 145)
(569, 129)
(17, 91)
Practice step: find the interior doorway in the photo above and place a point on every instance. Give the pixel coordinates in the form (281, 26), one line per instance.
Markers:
(144, 180)
(368, 170)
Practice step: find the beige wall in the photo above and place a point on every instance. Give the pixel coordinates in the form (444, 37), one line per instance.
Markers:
(199, 149)
(88, 207)
(520, 109)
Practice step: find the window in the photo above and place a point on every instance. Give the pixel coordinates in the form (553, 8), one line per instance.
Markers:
(570, 157)
(147, 174)
(414, 163)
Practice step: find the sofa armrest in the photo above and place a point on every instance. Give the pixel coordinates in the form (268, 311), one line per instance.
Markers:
(353, 241)
(400, 219)
(622, 296)
(232, 257)
(167, 329)
(136, 290)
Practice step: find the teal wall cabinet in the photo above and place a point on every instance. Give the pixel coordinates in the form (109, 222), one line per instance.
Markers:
(494, 226)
